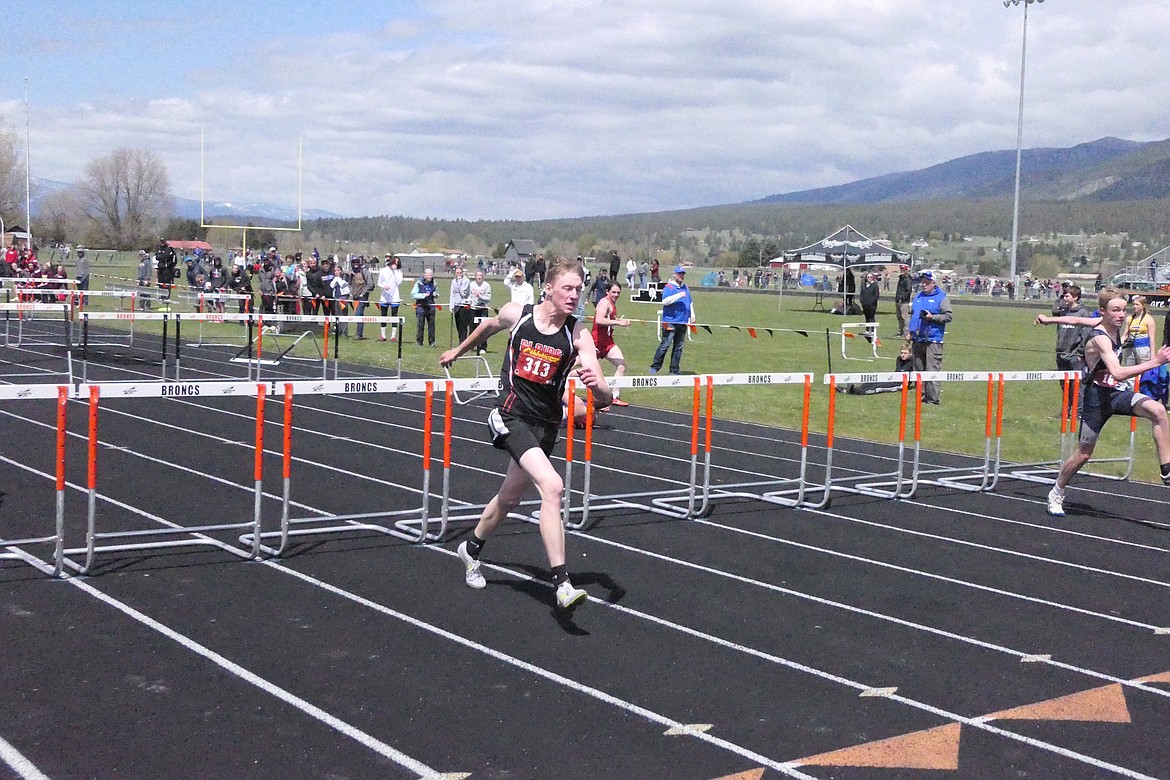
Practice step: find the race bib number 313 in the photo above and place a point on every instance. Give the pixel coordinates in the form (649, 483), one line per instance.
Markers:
(536, 365)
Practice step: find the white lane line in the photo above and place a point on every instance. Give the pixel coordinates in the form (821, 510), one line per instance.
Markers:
(313, 711)
(579, 687)
(864, 690)
(925, 574)
(866, 612)
(24, 768)
(998, 550)
(531, 668)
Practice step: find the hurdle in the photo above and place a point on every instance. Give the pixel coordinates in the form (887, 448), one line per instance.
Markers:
(1046, 472)
(901, 482)
(13, 549)
(985, 474)
(697, 496)
(413, 524)
(866, 330)
(106, 541)
(123, 316)
(483, 370)
(26, 311)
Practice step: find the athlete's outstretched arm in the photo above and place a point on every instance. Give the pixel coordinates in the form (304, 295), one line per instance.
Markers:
(509, 315)
(1088, 322)
(590, 370)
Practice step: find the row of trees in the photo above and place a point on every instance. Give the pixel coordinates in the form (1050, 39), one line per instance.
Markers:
(122, 201)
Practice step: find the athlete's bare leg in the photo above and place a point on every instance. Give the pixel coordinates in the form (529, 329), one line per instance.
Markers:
(534, 468)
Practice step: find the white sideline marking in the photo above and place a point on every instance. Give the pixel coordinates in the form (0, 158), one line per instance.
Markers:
(976, 722)
(566, 682)
(1035, 659)
(926, 574)
(19, 764)
(247, 676)
(867, 612)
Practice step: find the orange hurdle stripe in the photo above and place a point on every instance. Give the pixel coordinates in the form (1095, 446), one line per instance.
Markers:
(427, 427)
(447, 424)
(833, 411)
(261, 394)
(589, 425)
(695, 421)
(570, 411)
(62, 404)
(804, 414)
(710, 413)
(288, 396)
(91, 468)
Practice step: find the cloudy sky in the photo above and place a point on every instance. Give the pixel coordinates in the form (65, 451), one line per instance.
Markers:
(529, 109)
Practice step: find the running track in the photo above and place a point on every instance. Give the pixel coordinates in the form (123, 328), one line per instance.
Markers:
(953, 635)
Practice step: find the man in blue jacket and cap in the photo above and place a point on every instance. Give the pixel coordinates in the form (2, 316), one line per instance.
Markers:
(929, 314)
(678, 311)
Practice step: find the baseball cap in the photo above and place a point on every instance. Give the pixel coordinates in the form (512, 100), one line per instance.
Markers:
(678, 269)
(926, 275)
(517, 272)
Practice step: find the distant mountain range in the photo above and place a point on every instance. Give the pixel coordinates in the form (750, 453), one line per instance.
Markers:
(1108, 169)
(188, 208)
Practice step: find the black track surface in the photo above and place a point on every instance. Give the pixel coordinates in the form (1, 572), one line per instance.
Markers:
(775, 633)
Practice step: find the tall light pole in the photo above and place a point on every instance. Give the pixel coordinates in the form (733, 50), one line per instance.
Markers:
(1019, 133)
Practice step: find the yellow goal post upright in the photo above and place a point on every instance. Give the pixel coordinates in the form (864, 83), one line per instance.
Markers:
(245, 228)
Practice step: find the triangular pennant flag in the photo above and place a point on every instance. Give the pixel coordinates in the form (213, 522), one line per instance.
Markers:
(752, 333)
(936, 748)
(708, 329)
(1101, 705)
(803, 333)
(849, 335)
(769, 332)
(733, 327)
(694, 329)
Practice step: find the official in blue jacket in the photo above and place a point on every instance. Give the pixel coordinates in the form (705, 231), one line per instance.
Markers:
(678, 311)
(930, 313)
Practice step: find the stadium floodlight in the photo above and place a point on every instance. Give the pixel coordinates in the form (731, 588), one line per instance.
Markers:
(1019, 135)
(246, 228)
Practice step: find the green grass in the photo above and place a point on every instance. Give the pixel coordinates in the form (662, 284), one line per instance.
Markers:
(981, 338)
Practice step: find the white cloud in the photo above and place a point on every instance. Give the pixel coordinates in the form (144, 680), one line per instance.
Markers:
(534, 109)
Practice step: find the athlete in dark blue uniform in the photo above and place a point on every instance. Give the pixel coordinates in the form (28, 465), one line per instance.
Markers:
(543, 343)
(1107, 391)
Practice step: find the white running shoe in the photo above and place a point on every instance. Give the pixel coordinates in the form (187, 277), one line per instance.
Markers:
(472, 575)
(1056, 502)
(568, 596)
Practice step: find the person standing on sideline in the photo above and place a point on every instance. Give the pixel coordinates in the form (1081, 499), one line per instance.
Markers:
(1106, 391)
(360, 287)
(903, 294)
(615, 264)
(389, 282)
(544, 341)
(869, 303)
(631, 272)
(166, 262)
(929, 314)
(1070, 339)
(481, 299)
(423, 294)
(81, 271)
(678, 311)
(461, 303)
(144, 269)
(522, 292)
(605, 318)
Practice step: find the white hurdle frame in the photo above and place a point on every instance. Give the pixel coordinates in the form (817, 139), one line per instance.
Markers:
(863, 328)
(698, 495)
(11, 549)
